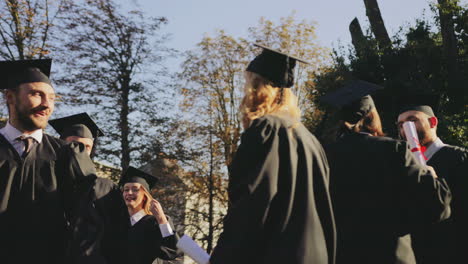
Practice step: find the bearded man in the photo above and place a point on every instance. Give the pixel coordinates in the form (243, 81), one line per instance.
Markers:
(39, 174)
(444, 242)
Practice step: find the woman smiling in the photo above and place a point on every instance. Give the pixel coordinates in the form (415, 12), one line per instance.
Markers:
(150, 233)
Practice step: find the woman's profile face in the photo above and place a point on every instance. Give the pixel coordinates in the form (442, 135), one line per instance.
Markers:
(133, 194)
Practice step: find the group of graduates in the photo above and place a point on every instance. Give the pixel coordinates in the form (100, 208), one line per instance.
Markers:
(362, 199)
(53, 207)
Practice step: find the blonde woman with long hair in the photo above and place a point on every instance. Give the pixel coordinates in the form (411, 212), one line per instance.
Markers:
(150, 233)
(280, 210)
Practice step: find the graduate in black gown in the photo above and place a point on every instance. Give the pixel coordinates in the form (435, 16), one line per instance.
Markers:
(379, 191)
(280, 210)
(78, 128)
(445, 242)
(150, 233)
(100, 210)
(38, 173)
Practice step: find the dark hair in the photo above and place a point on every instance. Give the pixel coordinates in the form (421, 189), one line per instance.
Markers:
(370, 123)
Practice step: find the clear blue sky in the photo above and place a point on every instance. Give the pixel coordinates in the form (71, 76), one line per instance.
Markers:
(190, 19)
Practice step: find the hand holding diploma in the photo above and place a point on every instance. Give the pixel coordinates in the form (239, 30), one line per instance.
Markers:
(412, 137)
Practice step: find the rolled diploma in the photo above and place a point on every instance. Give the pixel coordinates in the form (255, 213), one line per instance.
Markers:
(412, 137)
(193, 250)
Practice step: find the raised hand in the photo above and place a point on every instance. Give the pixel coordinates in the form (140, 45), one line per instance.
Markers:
(158, 212)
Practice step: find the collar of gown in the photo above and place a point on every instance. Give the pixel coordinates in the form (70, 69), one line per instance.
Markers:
(11, 133)
(433, 148)
(137, 217)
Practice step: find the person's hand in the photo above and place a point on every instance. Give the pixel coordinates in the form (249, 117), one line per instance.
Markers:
(432, 171)
(158, 212)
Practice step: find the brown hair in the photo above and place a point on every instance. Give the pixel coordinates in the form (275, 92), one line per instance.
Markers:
(262, 98)
(370, 123)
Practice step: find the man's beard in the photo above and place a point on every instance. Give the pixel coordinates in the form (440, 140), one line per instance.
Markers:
(26, 120)
(423, 137)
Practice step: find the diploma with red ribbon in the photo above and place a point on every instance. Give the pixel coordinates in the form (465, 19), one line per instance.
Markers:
(412, 138)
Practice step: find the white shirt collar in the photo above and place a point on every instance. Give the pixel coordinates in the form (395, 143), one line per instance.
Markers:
(433, 148)
(137, 217)
(11, 133)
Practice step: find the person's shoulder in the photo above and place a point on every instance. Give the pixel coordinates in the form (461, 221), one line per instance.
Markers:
(58, 143)
(369, 138)
(104, 186)
(149, 220)
(385, 143)
(386, 140)
(264, 126)
(267, 120)
(270, 125)
(55, 142)
(455, 151)
(276, 121)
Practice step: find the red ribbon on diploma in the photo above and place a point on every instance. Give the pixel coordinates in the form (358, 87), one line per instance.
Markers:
(420, 148)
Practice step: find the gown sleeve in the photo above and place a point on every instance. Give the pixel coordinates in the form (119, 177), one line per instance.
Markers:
(252, 188)
(168, 249)
(91, 204)
(459, 177)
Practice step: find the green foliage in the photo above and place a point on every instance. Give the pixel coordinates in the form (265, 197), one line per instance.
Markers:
(456, 129)
(414, 65)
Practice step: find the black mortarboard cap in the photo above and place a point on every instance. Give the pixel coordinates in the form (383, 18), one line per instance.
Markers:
(17, 72)
(354, 99)
(419, 102)
(80, 125)
(134, 175)
(274, 66)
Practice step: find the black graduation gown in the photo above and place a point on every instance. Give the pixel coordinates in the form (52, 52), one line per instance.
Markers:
(36, 197)
(280, 206)
(447, 242)
(380, 193)
(145, 242)
(99, 224)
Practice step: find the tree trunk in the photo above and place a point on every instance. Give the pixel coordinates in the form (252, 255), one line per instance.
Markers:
(357, 37)
(17, 34)
(124, 127)
(211, 196)
(450, 50)
(377, 23)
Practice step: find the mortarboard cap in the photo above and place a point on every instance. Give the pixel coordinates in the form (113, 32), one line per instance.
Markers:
(419, 102)
(80, 125)
(274, 66)
(24, 71)
(134, 175)
(354, 99)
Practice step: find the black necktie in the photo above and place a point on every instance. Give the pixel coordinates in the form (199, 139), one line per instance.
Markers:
(28, 144)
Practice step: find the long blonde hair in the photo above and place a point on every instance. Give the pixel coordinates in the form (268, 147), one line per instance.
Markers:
(261, 98)
(146, 200)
